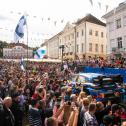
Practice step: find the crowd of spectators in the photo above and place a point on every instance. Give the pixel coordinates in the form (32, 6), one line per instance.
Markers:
(101, 62)
(42, 96)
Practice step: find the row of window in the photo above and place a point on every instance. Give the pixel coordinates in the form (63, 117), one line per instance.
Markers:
(91, 33)
(118, 23)
(118, 43)
(68, 37)
(96, 33)
(97, 47)
(82, 34)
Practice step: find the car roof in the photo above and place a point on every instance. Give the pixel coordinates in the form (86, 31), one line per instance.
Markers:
(90, 75)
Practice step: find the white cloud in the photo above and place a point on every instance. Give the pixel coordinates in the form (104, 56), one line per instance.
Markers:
(56, 10)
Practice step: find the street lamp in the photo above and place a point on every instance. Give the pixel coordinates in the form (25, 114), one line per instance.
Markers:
(62, 49)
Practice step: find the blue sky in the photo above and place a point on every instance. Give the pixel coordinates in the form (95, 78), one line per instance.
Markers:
(43, 14)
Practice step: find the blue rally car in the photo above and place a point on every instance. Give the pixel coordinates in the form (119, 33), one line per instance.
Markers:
(101, 87)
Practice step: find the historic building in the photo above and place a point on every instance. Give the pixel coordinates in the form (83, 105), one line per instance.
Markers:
(17, 51)
(84, 38)
(116, 31)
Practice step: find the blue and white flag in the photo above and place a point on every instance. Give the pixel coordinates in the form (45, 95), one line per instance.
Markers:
(22, 65)
(19, 31)
(40, 53)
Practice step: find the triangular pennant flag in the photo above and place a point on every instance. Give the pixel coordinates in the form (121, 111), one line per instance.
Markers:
(91, 2)
(107, 8)
(42, 19)
(11, 12)
(27, 15)
(19, 13)
(48, 19)
(34, 16)
(99, 5)
(62, 21)
(55, 23)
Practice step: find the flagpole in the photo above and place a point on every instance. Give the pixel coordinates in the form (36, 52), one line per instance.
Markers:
(27, 55)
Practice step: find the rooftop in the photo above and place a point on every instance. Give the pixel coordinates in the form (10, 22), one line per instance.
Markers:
(11, 45)
(121, 7)
(90, 18)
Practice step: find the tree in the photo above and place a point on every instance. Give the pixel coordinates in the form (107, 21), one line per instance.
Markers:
(3, 44)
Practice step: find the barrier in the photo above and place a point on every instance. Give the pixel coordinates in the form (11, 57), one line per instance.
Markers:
(122, 72)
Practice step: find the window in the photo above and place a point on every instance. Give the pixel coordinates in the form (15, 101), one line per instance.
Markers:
(96, 47)
(124, 42)
(96, 33)
(124, 21)
(82, 32)
(82, 47)
(102, 35)
(102, 48)
(72, 48)
(77, 48)
(119, 42)
(72, 36)
(111, 26)
(118, 23)
(65, 39)
(90, 46)
(113, 43)
(77, 34)
(69, 37)
(90, 32)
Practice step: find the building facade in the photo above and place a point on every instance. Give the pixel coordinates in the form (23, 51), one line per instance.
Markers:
(17, 51)
(67, 38)
(86, 37)
(52, 47)
(116, 31)
(90, 37)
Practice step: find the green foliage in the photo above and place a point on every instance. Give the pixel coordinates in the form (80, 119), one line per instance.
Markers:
(3, 44)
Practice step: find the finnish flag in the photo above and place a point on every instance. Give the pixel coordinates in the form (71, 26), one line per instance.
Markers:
(22, 65)
(39, 54)
(19, 31)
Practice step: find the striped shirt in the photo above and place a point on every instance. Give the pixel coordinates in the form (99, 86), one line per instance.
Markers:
(34, 117)
(90, 119)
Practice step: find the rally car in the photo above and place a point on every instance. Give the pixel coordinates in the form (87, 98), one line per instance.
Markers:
(100, 86)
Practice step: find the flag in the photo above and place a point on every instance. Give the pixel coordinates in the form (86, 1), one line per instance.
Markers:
(91, 2)
(39, 54)
(99, 5)
(107, 8)
(62, 21)
(22, 65)
(19, 31)
(55, 23)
